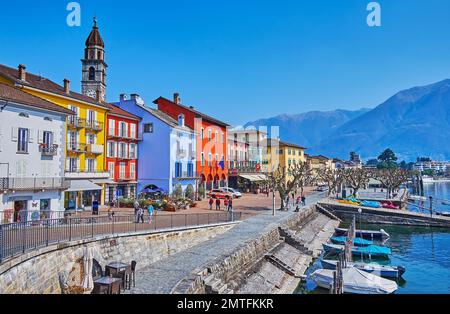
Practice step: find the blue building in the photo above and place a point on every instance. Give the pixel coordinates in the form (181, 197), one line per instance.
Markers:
(167, 150)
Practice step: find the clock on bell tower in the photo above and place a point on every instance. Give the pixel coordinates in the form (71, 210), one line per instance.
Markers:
(94, 66)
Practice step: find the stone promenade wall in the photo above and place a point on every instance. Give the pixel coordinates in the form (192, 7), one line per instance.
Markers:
(39, 272)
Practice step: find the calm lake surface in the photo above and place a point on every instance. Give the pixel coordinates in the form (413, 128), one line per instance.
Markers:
(425, 253)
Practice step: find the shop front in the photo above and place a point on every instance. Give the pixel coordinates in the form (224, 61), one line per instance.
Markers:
(81, 195)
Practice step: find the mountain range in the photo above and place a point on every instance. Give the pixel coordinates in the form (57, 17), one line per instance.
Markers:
(414, 122)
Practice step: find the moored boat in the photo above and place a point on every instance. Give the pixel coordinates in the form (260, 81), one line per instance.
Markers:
(355, 281)
(380, 270)
(357, 251)
(366, 234)
(356, 241)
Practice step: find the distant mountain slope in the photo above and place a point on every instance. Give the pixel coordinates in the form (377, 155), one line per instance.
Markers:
(308, 129)
(414, 122)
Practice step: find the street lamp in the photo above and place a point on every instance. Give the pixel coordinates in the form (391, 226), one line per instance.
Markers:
(360, 220)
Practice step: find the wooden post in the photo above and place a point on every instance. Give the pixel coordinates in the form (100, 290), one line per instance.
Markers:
(431, 206)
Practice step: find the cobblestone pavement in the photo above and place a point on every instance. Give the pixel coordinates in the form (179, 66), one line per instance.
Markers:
(162, 276)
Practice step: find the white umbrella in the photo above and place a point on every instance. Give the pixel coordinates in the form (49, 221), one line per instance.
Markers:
(88, 282)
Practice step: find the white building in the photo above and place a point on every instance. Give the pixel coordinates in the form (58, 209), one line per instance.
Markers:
(438, 166)
(32, 153)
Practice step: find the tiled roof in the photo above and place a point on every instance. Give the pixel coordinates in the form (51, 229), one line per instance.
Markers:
(291, 145)
(196, 112)
(115, 110)
(44, 84)
(166, 118)
(94, 38)
(10, 93)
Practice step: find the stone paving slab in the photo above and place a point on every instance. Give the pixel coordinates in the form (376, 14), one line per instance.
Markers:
(163, 275)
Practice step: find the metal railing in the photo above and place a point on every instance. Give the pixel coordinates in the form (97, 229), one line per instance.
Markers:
(76, 122)
(33, 184)
(94, 125)
(8, 216)
(76, 147)
(22, 237)
(48, 150)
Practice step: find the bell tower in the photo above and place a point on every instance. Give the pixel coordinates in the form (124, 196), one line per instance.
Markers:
(93, 82)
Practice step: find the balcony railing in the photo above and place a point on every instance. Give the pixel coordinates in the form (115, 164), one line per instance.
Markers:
(76, 147)
(48, 150)
(117, 135)
(75, 122)
(33, 184)
(186, 175)
(95, 149)
(94, 125)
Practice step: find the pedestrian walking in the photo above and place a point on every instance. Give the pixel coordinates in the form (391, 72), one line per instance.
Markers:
(140, 215)
(303, 200)
(211, 202)
(225, 202)
(136, 207)
(230, 205)
(218, 204)
(150, 212)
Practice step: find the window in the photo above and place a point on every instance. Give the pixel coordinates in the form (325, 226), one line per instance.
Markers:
(90, 116)
(181, 120)
(190, 169)
(90, 165)
(133, 130)
(123, 129)
(111, 149)
(216, 137)
(178, 169)
(47, 138)
(92, 73)
(203, 133)
(209, 135)
(90, 138)
(280, 152)
(148, 128)
(210, 159)
(122, 150)
(22, 142)
(133, 151)
(203, 159)
(112, 127)
(132, 171)
(111, 169)
(73, 165)
(122, 170)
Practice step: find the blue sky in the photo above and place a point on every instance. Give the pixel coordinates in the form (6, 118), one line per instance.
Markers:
(240, 60)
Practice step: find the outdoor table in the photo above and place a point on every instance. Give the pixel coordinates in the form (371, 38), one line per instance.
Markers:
(109, 282)
(119, 269)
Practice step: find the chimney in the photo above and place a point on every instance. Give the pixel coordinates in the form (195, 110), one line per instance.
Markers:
(134, 96)
(22, 72)
(176, 98)
(123, 97)
(67, 86)
(191, 107)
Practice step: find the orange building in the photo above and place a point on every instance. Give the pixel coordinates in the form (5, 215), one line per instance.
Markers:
(211, 163)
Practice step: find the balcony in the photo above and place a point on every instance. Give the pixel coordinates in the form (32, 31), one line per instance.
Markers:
(48, 150)
(77, 148)
(95, 126)
(112, 134)
(33, 184)
(95, 149)
(76, 123)
(123, 178)
(74, 173)
(186, 175)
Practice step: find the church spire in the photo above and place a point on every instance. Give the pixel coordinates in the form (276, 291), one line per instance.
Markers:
(95, 39)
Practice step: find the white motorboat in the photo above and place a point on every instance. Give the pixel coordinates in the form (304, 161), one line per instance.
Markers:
(356, 281)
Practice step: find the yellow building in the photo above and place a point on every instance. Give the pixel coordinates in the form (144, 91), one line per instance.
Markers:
(320, 162)
(279, 153)
(85, 136)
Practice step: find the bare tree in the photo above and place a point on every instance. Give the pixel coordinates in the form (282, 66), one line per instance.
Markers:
(392, 179)
(357, 178)
(333, 179)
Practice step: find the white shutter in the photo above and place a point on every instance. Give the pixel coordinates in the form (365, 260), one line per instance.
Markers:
(67, 164)
(133, 130)
(136, 151)
(78, 164)
(14, 134)
(126, 130)
(30, 135)
(40, 137)
(111, 129)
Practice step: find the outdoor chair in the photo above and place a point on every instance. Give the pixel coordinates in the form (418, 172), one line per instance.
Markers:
(100, 289)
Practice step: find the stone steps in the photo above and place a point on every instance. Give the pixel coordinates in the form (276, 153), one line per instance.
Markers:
(280, 264)
(216, 286)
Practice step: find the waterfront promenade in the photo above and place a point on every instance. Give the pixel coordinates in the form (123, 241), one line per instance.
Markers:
(162, 276)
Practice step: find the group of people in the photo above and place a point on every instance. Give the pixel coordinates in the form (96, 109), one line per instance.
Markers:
(299, 201)
(139, 212)
(227, 202)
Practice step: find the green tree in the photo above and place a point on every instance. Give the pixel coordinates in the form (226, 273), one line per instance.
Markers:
(387, 159)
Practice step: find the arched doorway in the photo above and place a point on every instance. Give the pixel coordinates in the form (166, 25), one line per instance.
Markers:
(216, 181)
(209, 182)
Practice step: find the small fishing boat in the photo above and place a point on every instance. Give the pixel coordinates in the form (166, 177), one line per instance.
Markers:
(447, 203)
(371, 204)
(445, 214)
(380, 270)
(357, 251)
(366, 234)
(417, 198)
(356, 241)
(355, 281)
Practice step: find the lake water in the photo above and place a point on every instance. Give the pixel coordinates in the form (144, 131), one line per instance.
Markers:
(425, 253)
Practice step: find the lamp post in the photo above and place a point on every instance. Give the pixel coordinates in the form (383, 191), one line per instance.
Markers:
(360, 219)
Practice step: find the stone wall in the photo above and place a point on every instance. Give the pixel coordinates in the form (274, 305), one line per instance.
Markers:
(39, 272)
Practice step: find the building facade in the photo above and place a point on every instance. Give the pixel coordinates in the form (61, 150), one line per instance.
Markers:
(121, 153)
(32, 157)
(211, 142)
(167, 149)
